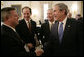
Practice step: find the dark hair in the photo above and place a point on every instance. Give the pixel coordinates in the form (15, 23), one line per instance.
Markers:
(78, 14)
(7, 9)
(5, 12)
(28, 8)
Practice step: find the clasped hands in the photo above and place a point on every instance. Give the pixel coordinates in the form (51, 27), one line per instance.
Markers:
(38, 50)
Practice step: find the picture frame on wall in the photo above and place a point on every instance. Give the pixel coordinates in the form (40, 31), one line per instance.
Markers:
(18, 8)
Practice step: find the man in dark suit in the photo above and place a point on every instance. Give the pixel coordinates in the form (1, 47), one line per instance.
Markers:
(66, 38)
(46, 27)
(79, 18)
(11, 43)
(69, 16)
(27, 28)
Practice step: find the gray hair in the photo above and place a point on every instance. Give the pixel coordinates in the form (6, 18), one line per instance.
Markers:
(62, 6)
(5, 12)
(50, 9)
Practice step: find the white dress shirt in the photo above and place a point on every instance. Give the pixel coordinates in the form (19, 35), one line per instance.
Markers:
(50, 24)
(27, 22)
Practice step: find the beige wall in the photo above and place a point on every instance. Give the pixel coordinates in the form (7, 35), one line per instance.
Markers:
(38, 5)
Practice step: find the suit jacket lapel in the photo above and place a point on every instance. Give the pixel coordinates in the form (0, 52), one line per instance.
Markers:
(24, 25)
(67, 28)
(54, 30)
(48, 27)
(31, 24)
(13, 33)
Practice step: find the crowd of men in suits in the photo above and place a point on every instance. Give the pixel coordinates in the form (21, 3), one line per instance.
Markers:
(60, 35)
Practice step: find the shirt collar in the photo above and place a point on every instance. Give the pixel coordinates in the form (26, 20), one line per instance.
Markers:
(64, 21)
(9, 27)
(27, 21)
(52, 22)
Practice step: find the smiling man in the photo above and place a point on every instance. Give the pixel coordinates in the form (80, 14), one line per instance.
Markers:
(66, 35)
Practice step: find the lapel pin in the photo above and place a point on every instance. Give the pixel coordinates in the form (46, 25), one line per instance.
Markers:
(68, 25)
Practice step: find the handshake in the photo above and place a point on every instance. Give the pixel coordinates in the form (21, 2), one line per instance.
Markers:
(38, 50)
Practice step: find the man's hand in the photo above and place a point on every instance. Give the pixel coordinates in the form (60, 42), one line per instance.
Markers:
(39, 52)
(30, 45)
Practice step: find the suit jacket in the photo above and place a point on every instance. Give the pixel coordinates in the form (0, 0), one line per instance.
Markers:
(72, 41)
(25, 34)
(11, 44)
(80, 19)
(45, 31)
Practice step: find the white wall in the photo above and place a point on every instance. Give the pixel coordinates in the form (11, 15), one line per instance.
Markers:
(9, 3)
(38, 5)
(70, 5)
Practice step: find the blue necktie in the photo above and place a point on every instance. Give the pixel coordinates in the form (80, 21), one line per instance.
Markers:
(60, 32)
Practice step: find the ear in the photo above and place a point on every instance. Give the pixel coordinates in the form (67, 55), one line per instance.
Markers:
(31, 14)
(7, 17)
(64, 12)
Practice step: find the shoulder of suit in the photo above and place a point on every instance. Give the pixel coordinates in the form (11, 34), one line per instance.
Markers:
(72, 19)
(2, 30)
(33, 21)
(21, 21)
(5, 30)
(44, 24)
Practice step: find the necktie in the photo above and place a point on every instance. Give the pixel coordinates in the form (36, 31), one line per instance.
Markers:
(29, 26)
(60, 32)
(54, 30)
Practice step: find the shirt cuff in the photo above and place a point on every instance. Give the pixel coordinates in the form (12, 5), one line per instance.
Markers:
(26, 48)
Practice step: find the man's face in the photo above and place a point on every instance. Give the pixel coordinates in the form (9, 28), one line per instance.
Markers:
(14, 17)
(50, 15)
(26, 13)
(57, 13)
